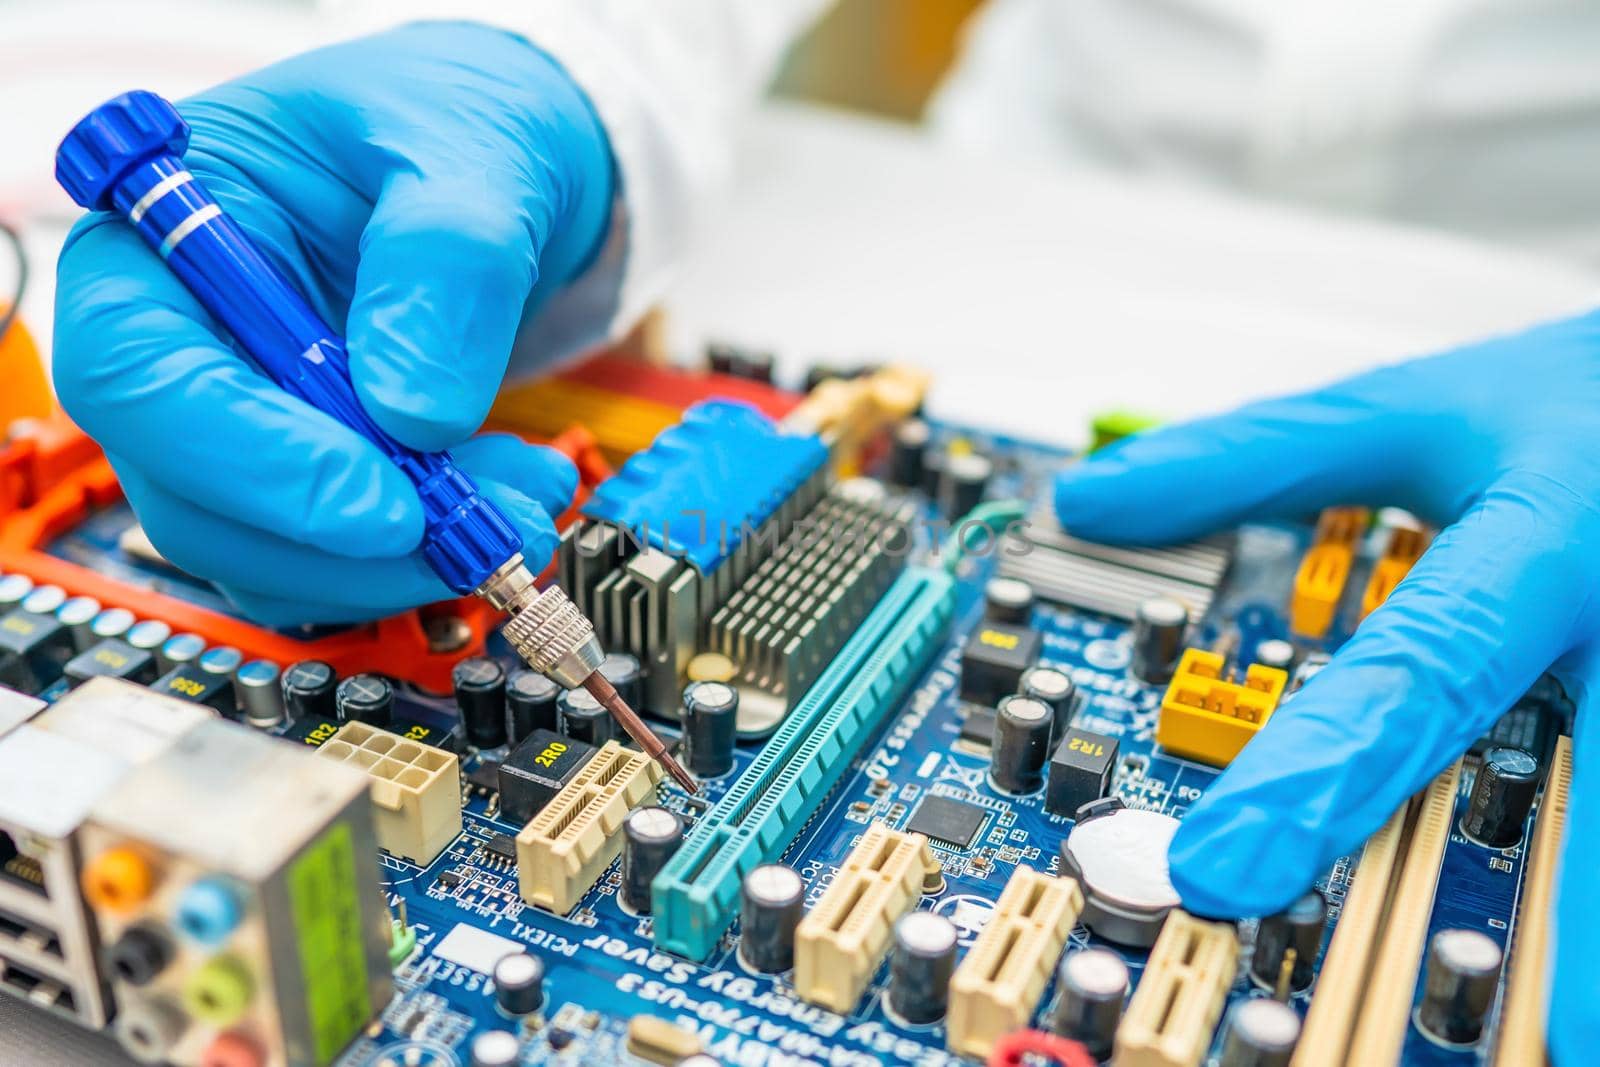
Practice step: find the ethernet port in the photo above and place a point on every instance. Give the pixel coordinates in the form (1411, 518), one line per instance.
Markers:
(18, 869)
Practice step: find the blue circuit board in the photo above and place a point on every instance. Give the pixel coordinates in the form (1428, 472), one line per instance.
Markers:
(602, 966)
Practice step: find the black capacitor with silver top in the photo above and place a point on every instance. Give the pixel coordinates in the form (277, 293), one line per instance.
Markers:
(1021, 744)
(260, 691)
(920, 965)
(1008, 600)
(519, 983)
(1463, 972)
(963, 482)
(496, 1048)
(1092, 985)
(1261, 1033)
(771, 899)
(530, 704)
(367, 698)
(583, 718)
(1298, 928)
(1502, 795)
(308, 689)
(1054, 688)
(650, 836)
(710, 727)
(908, 447)
(622, 670)
(1158, 633)
(77, 614)
(1275, 652)
(480, 690)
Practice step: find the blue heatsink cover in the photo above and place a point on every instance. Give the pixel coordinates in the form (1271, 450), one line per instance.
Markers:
(726, 460)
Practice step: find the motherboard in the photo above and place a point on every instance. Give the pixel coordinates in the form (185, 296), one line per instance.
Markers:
(943, 745)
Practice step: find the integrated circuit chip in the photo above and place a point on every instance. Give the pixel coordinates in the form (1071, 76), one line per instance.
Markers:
(953, 822)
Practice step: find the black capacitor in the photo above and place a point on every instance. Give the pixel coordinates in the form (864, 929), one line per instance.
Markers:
(908, 448)
(1463, 970)
(920, 965)
(622, 671)
(530, 704)
(1021, 744)
(367, 698)
(710, 726)
(1093, 984)
(308, 690)
(1158, 632)
(1054, 688)
(771, 898)
(480, 687)
(1261, 1033)
(964, 481)
(583, 718)
(519, 983)
(649, 838)
(1276, 652)
(1298, 927)
(1008, 600)
(933, 463)
(1502, 795)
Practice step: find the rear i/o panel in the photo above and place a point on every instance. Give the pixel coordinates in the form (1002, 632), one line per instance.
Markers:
(226, 845)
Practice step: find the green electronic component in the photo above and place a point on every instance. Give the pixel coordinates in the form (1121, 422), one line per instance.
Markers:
(696, 894)
(1109, 426)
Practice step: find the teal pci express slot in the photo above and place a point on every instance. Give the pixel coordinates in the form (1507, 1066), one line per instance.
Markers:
(696, 895)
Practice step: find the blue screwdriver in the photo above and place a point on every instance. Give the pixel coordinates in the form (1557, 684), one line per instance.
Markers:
(126, 156)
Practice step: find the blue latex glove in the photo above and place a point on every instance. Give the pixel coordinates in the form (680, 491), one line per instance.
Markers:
(426, 189)
(1496, 444)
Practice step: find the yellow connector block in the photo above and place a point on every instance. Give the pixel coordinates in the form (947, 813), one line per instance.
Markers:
(1405, 547)
(415, 789)
(621, 424)
(998, 985)
(842, 940)
(1208, 718)
(571, 842)
(1175, 1007)
(1324, 570)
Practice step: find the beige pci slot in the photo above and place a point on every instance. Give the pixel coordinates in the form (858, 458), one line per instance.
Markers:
(1386, 999)
(843, 938)
(1522, 1021)
(998, 985)
(569, 844)
(1342, 981)
(1175, 1008)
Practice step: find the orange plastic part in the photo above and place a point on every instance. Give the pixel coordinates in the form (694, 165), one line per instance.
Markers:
(24, 389)
(1324, 570)
(231, 1050)
(118, 880)
(1405, 547)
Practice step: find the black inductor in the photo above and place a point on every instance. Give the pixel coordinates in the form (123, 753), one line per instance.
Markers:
(710, 727)
(480, 687)
(1021, 744)
(530, 704)
(649, 838)
(367, 698)
(770, 901)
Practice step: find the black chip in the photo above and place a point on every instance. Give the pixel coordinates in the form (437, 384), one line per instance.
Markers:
(449, 879)
(111, 658)
(955, 822)
(502, 845)
(485, 777)
(994, 659)
(421, 732)
(535, 771)
(188, 681)
(1080, 771)
(978, 727)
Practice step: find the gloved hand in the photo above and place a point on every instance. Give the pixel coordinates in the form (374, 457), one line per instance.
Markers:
(426, 189)
(1495, 443)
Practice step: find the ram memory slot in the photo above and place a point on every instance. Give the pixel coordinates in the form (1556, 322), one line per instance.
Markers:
(695, 897)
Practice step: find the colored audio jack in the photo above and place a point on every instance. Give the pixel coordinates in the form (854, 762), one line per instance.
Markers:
(125, 157)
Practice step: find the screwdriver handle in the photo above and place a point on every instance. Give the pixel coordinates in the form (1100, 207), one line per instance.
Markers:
(125, 156)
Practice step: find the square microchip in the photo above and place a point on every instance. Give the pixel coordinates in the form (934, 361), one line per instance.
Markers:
(954, 822)
(994, 659)
(536, 770)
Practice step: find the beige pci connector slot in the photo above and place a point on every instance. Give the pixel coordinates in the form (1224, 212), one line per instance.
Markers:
(842, 939)
(1522, 1020)
(415, 789)
(567, 846)
(1175, 1008)
(1362, 1002)
(998, 985)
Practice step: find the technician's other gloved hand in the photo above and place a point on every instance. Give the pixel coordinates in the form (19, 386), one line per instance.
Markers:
(1496, 443)
(427, 189)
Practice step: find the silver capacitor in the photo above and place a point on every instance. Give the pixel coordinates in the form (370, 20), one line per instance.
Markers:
(258, 685)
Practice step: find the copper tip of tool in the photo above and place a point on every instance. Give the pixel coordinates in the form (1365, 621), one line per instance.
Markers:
(643, 736)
